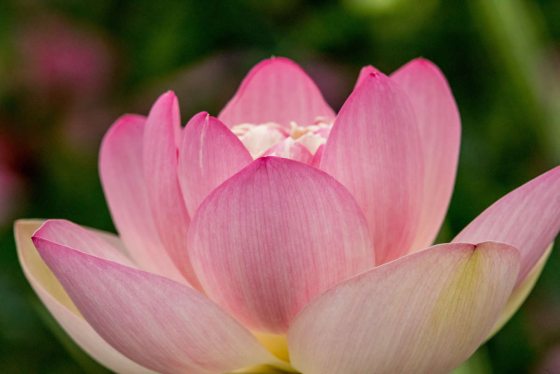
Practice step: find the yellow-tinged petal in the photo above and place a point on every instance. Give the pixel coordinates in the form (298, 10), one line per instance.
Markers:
(57, 301)
(276, 344)
(423, 313)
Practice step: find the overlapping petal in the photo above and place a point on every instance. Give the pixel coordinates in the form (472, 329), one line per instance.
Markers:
(520, 293)
(439, 126)
(61, 306)
(161, 138)
(374, 150)
(160, 324)
(122, 176)
(276, 90)
(209, 155)
(286, 248)
(272, 237)
(423, 313)
(291, 149)
(527, 218)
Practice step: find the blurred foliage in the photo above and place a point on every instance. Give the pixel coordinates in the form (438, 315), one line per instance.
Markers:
(500, 57)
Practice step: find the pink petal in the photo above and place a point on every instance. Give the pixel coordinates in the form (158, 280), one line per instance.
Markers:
(209, 155)
(156, 322)
(160, 170)
(95, 243)
(527, 218)
(276, 90)
(292, 150)
(374, 150)
(122, 177)
(440, 133)
(58, 303)
(272, 237)
(365, 72)
(423, 313)
(318, 156)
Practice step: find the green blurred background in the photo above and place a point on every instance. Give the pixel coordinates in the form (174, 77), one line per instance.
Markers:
(69, 68)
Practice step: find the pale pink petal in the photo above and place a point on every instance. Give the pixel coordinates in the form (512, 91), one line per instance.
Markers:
(440, 132)
(276, 90)
(272, 237)
(365, 72)
(292, 150)
(257, 139)
(160, 324)
(312, 140)
(122, 176)
(209, 155)
(93, 242)
(521, 292)
(527, 218)
(423, 313)
(374, 150)
(160, 171)
(51, 293)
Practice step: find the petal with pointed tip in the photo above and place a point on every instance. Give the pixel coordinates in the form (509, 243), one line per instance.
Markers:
(209, 155)
(122, 176)
(94, 243)
(160, 324)
(423, 313)
(59, 304)
(365, 72)
(162, 184)
(527, 218)
(272, 237)
(276, 90)
(440, 132)
(374, 150)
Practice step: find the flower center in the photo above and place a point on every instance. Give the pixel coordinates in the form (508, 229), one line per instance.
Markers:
(273, 139)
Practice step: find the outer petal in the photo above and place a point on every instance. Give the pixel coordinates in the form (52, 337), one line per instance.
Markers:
(521, 293)
(276, 90)
(440, 132)
(94, 242)
(527, 218)
(374, 150)
(272, 237)
(122, 176)
(162, 183)
(424, 313)
(161, 324)
(61, 307)
(209, 155)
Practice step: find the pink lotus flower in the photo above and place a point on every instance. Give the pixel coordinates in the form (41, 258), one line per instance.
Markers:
(314, 258)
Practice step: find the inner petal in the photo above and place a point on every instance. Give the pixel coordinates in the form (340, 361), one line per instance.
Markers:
(274, 139)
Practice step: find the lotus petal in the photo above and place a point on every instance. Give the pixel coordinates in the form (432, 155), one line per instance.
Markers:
(276, 90)
(158, 323)
(374, 150)
(423, 313)
(272, 237)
